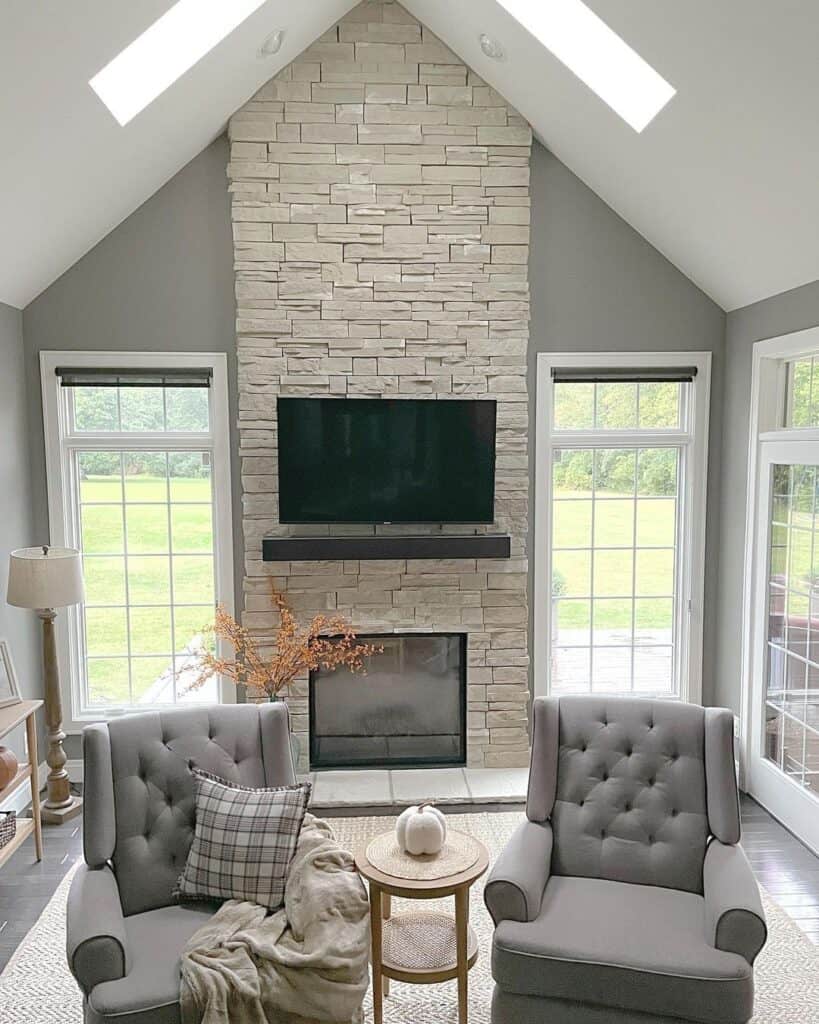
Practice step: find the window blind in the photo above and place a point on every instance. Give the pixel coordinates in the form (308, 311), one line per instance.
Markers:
(133, 377)
(624, 374)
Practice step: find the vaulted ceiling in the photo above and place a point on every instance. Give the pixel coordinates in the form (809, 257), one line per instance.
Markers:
(723, 182)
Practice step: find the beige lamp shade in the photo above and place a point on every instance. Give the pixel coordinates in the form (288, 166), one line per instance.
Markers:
(45, 577)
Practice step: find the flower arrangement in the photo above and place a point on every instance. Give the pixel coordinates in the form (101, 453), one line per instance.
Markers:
(328, 642)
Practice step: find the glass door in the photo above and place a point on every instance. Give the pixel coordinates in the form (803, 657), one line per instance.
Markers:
(784, 762)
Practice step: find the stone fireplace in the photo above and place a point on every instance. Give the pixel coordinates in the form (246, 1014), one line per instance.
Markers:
(380, 207)
(409, 709)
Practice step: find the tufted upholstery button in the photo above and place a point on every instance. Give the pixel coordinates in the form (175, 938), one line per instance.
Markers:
(628, 807)
(674, 812)
(582, 802)
(605, 776)
(651, 840)
(629, 752)
(583, 748)
(603, 834)
(651, 782)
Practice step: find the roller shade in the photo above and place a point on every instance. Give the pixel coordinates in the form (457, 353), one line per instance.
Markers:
(128, 377)
(624, 374)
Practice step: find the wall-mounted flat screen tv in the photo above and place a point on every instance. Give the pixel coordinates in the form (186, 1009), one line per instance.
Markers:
(382, 460)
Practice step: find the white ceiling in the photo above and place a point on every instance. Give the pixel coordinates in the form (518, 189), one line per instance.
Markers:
(724, 181)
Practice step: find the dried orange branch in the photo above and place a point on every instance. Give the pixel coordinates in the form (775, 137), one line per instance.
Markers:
(327, 642)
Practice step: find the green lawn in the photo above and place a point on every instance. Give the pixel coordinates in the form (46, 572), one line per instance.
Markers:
(614, 522)
(164, 558)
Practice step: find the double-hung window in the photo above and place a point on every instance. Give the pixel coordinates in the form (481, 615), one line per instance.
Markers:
(620, 510)
(139, 480)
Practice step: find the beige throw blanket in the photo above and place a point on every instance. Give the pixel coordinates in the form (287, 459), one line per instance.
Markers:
(305, 963)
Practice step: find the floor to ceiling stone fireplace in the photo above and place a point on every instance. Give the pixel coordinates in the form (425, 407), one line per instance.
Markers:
(407, 708)
(380, 207)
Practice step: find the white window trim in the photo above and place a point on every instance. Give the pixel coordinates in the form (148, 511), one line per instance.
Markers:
(768, 395)
(692, 530)
(57, 474)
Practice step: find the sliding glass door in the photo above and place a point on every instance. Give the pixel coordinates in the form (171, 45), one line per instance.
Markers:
(784, 763)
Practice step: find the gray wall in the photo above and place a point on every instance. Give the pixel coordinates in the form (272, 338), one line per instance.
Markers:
(597, 285)
(161, 281)
(791, 311)
(17, 626)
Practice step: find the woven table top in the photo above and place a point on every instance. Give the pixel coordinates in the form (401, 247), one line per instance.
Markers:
(459, 853)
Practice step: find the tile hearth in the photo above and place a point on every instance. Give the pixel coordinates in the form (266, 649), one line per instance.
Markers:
(374, 788)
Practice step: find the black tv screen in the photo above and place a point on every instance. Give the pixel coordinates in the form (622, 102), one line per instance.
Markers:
(382, 460)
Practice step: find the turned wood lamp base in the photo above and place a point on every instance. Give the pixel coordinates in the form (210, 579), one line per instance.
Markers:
(60, 815)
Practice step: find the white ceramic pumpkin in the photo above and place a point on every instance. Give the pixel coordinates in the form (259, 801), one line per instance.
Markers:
(420, 829)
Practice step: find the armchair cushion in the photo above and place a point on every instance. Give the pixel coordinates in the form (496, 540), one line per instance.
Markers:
(630, 947)
(149, 758)
(734, 918)
(631, 795)
(149, 993)
(515, 887)
(96, 940)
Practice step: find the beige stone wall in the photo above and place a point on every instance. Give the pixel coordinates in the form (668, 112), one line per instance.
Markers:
(381, 226)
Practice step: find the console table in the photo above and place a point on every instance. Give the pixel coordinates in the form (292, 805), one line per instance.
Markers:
(10, 718)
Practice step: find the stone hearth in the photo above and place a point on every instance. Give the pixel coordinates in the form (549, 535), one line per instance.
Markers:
(381, 223)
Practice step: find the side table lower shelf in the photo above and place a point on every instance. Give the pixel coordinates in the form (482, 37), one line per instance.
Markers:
(420, 947)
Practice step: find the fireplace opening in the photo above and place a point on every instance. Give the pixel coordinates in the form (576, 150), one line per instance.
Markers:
(408, 709)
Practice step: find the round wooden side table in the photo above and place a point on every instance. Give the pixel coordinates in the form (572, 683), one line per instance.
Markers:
(421, 948)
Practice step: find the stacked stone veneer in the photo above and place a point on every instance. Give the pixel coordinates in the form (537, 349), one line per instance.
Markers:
(381, 225)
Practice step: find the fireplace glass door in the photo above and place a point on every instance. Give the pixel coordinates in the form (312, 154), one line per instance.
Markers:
(407, 708)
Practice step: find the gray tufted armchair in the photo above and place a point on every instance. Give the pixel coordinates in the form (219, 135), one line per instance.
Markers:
(125, 932)
(624, 895)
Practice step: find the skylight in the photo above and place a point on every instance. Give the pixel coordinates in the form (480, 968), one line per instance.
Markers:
(165, 51)
(597, 55)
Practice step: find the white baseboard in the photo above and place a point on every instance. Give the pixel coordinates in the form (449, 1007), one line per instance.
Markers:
(20, 800)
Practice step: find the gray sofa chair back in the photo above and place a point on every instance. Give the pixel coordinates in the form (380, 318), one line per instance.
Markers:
(634, 788)
(139, 793)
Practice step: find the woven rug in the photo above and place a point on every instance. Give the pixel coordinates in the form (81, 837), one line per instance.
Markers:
(36, 988)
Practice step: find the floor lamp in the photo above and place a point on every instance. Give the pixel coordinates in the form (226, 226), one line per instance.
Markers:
(45, 579)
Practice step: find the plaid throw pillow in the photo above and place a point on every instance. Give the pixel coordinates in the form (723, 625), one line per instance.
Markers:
(243, 842)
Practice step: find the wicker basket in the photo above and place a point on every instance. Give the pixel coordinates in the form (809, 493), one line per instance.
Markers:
(8, 827)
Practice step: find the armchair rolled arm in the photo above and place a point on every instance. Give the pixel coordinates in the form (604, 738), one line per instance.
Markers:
(734, 918)
(96, 944)
(514, 891)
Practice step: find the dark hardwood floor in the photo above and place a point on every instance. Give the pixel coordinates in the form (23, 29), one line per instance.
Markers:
(786, 868)
(26, 886)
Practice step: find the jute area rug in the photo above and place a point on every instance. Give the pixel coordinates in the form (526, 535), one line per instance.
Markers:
(36, 988)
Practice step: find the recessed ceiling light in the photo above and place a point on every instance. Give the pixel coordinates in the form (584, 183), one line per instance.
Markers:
(272, 44)
(491, 47)
(597, 55)
(165, 51)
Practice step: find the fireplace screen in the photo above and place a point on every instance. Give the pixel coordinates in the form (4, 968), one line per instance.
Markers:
(408, 709)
